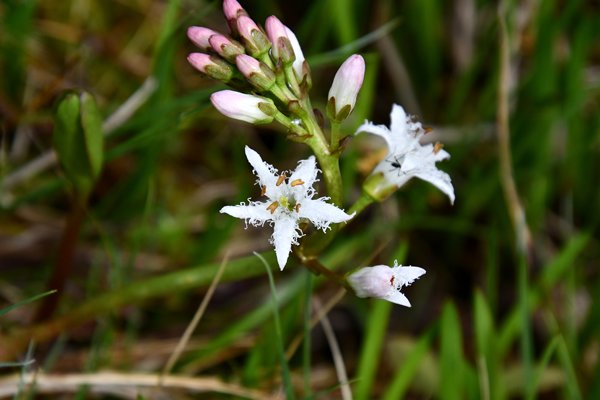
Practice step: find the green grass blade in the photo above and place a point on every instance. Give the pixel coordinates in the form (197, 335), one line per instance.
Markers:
(26, 301)
(407, 371)
(285, 369)
(451, 355)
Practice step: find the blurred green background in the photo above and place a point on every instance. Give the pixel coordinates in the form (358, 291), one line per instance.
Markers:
(488, 320)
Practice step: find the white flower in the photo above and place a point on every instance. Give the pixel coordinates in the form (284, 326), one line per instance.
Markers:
(289, 199)
(384, 282)
(406, 157)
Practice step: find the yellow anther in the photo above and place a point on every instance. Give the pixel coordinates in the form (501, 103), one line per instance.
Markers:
(273, 206)
(263, 190)
(297, 208)
(297, 182)
(437, 147)
(280, 179)
(427, 129)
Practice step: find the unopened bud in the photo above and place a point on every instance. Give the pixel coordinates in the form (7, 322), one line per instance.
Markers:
(281, 45)
(244, 107)
(255, 41)
(225, 47)
(345, 88)
(232, 10)
(257, 73)
(212, 66)
(200, 36)
(300, 65)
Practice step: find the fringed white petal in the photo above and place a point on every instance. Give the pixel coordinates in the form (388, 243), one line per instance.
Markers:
(254, 214)
(379, 130)
(321, 213)
(266, 173)
(439, 179)
(406, 275)
(285, 233)
(306, 171)
(397, 297)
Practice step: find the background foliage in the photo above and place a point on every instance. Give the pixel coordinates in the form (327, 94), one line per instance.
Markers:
(487, 320)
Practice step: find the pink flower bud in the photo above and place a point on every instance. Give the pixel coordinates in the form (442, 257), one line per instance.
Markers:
(214, 67)
(225, 47)
(255, 40)
(345, 87)
(257, 73)
(247, 65)
(277, 34)
(200, 36)
(232, 9)
(244, 107)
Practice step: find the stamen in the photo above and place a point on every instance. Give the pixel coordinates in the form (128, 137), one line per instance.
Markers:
(297, 182)
(280, 179)
(437, 147)
(297, 208)
(273, 206)
(263, 190)
(427, 129)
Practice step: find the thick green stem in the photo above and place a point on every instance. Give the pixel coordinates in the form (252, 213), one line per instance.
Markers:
(328, 160)
(335, 135)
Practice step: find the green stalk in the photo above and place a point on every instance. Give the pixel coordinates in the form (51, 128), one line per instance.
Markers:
(335, 135)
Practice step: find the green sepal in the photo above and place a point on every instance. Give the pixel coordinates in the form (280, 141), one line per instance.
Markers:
(378, 187)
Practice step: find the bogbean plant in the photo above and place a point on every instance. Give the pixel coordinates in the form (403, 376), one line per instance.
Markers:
(272, 81)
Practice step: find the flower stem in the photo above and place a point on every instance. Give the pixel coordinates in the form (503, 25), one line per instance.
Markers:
(335, 135)
(315, 266)
(328, 160)
(363, 202)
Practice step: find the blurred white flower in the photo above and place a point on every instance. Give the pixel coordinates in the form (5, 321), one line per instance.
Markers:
(406, 157)
(289, 199)
(384, 282)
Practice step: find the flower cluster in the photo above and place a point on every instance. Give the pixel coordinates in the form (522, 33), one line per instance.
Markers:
(271, 79)
(270, 64)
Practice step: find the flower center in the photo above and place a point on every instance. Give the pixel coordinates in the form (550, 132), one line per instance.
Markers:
(287, 201)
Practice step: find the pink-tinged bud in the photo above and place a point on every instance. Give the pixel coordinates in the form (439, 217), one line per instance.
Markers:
(212, 66)
(345, 88)
(300, 65)
(255, 40)
(232, 9)
(281, 46)
(244, 107)
(225, 47)
(257, 73)
(200, 36)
